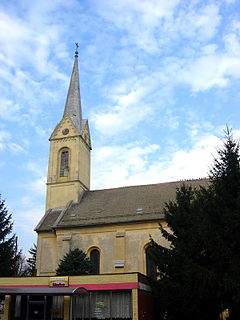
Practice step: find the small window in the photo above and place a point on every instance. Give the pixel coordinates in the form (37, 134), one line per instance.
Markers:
(151, 266)
(64, 163)
(95, 259)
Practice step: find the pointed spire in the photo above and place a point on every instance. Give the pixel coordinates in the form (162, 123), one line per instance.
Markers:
(73, 103)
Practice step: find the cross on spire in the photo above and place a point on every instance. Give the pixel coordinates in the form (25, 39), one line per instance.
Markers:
(76, 51)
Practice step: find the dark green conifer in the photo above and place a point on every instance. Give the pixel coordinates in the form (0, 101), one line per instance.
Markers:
(31, 261)
(74, 263)
(8, 248)
(199, 272)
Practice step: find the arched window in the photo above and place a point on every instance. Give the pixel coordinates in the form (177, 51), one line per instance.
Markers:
(150, 264)
(95, 259)
(64, 163)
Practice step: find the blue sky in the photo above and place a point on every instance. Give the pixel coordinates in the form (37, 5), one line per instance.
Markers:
(159, 82)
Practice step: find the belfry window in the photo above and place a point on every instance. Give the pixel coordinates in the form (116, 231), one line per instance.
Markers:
(95, 259)
(64, 163)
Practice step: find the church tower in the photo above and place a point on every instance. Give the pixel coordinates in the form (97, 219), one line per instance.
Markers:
(70, 146)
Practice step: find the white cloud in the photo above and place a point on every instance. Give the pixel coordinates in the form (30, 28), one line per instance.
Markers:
(232, 44)
(151, 25)
(6, 142)
(128, 107)
(9, 110)
(198, 23)
(210, 71)
(132, 165)
(120, 119)
(27, 69)
(4, 135)
(112, 165)
(29, 219)
(38, 186)
(139, 18)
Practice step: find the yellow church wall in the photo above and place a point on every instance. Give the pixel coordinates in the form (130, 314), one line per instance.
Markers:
(46, 263)
(60, 190)
(125, 243)
(60, 194)
(84, 163)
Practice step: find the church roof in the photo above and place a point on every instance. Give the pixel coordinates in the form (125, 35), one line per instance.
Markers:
(73, 102)
(117, 205)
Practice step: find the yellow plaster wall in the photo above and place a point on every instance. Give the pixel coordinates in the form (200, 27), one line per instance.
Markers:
(66, 308)
(135, 304)
(73, 280)
(115, 242)
(46, 263)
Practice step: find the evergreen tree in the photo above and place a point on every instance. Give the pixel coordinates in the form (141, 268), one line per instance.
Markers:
(31, 262)
(199, 272)
(8, 247)
(74, 263)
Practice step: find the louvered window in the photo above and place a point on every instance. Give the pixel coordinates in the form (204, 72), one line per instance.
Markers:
(64, 163)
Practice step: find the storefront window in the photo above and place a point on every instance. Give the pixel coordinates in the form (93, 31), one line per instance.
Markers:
(121, 305)
(107, 305)
(80, 307)
(57, 308)
(100, 305)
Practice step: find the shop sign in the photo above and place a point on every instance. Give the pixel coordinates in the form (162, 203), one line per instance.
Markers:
(58, 282)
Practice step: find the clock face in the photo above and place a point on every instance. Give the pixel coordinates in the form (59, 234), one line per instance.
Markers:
(65, 131)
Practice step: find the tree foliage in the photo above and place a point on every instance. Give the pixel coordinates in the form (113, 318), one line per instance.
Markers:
(74, 263)
(8, 247)
(21, 269)
(199, 272)
(31, 261)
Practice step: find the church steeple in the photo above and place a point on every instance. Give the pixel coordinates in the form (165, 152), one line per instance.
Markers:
(70, 146)
(73, 102)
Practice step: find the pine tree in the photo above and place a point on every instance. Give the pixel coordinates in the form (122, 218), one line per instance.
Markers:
(8, 254)
(199, 272)
(31, 262)
(225, 177)
(74, 263)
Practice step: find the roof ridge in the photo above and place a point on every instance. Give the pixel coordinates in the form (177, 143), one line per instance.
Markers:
(149, 184)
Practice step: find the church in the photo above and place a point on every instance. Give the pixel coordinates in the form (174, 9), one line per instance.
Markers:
(112, 226)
